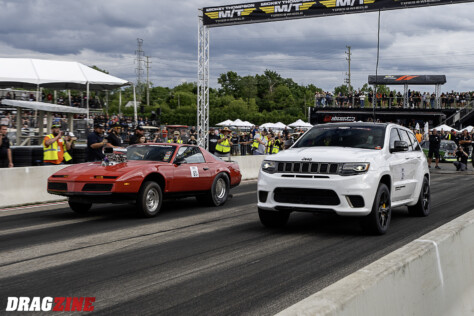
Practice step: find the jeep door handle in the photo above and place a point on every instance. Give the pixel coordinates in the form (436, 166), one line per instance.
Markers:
(205, 168)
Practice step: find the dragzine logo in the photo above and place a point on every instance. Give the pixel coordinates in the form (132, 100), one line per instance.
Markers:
(330, 118)
(50, 304)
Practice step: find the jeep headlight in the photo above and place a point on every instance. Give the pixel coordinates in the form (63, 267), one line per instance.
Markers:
(269, 166)
(350, 169)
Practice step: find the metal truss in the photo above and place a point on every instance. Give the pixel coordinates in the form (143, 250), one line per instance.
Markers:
(202, 127)
(438, 96)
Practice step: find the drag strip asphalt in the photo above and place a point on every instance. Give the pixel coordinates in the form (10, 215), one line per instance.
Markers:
(196, 260)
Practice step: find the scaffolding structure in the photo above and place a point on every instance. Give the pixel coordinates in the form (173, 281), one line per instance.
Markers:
(203, 84)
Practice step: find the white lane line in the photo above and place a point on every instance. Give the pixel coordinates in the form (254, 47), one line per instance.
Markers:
(30, 206)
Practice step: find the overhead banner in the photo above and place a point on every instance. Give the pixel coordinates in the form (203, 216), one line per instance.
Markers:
(407, 79)
(290, 9)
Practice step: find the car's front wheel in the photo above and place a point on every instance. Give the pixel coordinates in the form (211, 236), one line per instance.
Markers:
(273, 219)
(149, 199)
(423, 206)
(378, 220)
(80, 208)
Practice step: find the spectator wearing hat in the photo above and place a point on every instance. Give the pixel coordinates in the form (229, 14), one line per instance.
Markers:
(114, 138)
(139, 132)
(95, 144)
(5, 151)
(176, 138)
(55, 147)
(224, 143)
(213, 138)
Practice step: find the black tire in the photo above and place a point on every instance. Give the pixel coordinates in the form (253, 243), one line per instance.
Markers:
(273, 219)
(219, 191)
(80, 208)
(150, 199)
(423, 206)
(378, 221)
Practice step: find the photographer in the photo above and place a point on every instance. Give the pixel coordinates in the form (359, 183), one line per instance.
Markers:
(55, 147)
(95, 143)
(176, 138)
(461, 157)
(224, 144)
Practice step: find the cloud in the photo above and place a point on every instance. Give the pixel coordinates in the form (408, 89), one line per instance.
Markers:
(433, 40)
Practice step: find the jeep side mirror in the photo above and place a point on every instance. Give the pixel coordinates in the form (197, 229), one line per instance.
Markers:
(399, 146)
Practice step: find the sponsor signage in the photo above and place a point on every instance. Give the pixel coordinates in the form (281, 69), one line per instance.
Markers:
(267, 11)
(336, 118)
(407, 79)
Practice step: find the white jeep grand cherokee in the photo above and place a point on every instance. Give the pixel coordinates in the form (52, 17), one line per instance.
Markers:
(351, 169)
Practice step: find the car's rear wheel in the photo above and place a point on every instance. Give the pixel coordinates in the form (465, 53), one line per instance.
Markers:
(149, 199)
(378, 220)
(423, 206)
(80, 208)
(219, 191)
(273, 219)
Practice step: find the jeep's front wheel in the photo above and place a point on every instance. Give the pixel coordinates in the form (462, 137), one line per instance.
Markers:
(378, 220)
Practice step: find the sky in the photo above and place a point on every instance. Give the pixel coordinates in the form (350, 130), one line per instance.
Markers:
(422, 41)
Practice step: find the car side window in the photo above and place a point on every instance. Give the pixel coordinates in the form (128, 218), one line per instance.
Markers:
(404, 136)
(190, 154)
(394, 136)
(416, 145)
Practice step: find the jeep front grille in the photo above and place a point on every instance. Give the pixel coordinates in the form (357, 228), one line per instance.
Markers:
(308, 167)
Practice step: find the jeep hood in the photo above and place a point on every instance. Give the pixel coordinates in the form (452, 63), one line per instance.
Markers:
(327, 154)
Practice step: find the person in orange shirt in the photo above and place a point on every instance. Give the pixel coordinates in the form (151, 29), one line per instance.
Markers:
(55, 147)
(419, 136)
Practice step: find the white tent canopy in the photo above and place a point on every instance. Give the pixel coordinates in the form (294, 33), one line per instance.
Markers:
(468, 128)
(41, 106)
(445, 128)
(300, 124)
(225, 123)
(54, 74)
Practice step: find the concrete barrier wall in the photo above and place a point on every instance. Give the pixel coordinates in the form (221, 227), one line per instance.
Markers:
(249, 165)
(433, 275)
(27, 185)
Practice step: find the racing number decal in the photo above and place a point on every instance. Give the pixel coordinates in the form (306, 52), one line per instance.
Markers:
(194, 172)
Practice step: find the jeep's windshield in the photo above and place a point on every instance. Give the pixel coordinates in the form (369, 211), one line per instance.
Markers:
(150, 152)
(366, 137)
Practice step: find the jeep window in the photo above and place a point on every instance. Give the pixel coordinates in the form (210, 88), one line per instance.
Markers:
(366, 137)
(404, 135)
(394, 136)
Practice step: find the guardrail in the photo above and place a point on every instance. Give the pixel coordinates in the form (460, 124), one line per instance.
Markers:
(433, 275)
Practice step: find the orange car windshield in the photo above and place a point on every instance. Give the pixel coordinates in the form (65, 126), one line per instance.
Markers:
(161, 153)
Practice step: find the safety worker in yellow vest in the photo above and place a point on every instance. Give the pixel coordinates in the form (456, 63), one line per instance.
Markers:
(176, 138)
(55, 147)
(276, 145)
(260, 142)
(224, 144)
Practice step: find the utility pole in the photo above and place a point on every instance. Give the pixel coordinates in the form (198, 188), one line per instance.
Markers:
(148, 62)
(348, 80)
(139, 69)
